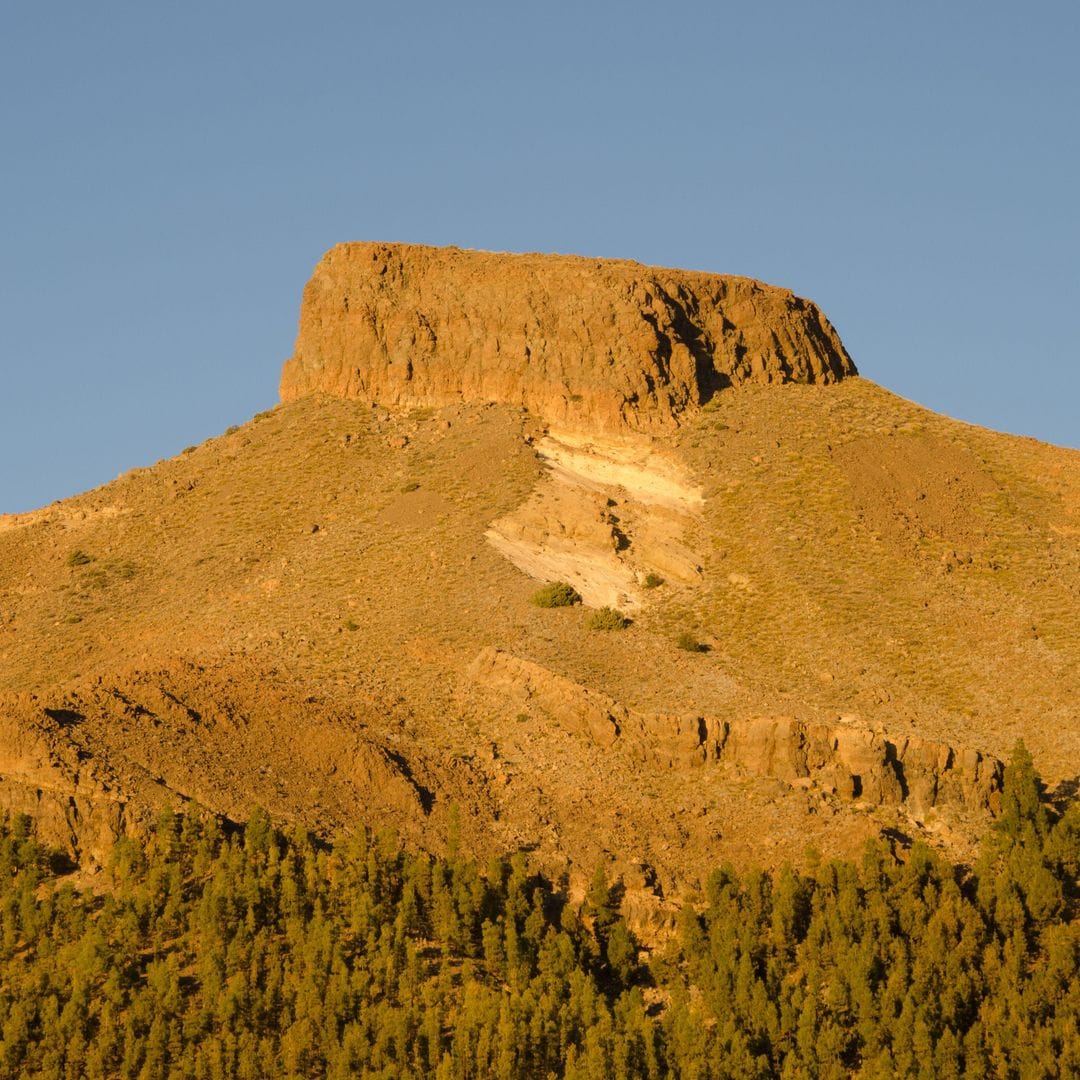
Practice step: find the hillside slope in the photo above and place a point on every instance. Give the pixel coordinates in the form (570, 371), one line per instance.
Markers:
(327, 612)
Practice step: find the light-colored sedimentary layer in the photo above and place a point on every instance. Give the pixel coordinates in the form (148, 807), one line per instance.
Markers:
(588, 344)
(608, 512)
(631, 464)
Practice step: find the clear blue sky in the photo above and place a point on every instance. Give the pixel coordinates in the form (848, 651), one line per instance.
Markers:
(169, 175)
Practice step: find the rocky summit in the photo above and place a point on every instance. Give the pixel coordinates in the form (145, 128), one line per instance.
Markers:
(832, 612)
(583, 343)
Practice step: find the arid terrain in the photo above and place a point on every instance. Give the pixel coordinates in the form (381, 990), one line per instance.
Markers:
(326, 610)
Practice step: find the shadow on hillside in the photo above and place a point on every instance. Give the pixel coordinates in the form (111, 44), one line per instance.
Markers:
(65, 717)
(898, 840)
(1065, 791)
(427, 799)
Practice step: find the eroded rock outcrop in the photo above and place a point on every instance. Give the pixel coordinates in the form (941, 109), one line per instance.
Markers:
(858, 763)
(79, 804)
(582, 342)
(101, 760)
(843, 759)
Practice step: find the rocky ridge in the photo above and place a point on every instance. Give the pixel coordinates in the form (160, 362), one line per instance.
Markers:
(584, 343)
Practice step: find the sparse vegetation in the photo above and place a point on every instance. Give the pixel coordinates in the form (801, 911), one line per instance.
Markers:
(103, 574)
(607, 618)
(652, 581)
(557, 594)
(98, 575)
(411, 486)
(97, 578)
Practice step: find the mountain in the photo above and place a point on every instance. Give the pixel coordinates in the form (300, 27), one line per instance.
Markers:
(843, 609)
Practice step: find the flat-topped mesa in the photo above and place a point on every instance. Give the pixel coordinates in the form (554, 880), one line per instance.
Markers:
(592, 343)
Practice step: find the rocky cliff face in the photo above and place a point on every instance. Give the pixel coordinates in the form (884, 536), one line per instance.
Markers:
(582, 342)
(847, 760)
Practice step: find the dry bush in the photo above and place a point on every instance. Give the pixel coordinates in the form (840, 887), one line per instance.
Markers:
(557, 594)
(607, 618)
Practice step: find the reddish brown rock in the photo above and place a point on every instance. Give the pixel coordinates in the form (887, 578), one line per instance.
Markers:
(579, 341)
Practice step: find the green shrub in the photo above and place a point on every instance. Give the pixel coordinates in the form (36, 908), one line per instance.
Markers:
(607, 618)
(79, 558)
(688, 642)
(653, 581)
(557, 594)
